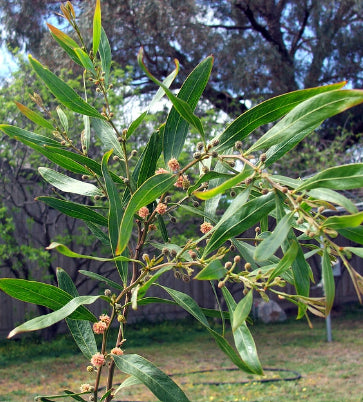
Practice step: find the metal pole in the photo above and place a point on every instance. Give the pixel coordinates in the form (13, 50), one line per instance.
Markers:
(329, 337)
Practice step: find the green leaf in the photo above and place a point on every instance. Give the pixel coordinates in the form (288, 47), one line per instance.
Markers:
(34, 116)
(226, 185)
(101, 278)
(42, 294)
(81, 159)
(266, 112)
(176, 127)
(286, 261)
(238, 218)
(188, 304)
(47, 320)
(157, 381)
(62, 118)
(107, 136)
(269, 245)
(148, 192)
(214, 270)
(328, 281)
(333, 197)
(115, 212)
(62, 249)
(21, 135)
(65, 42)
(197, 211)
(354, 234)
(74, 395)
(345, 221)
(75, 210)
(85, 60)
(68, 184)
(212, 175)
(81, 330)
(146, 164)
(181, 106)
(345, 177)
(64, 93)
(355, 250)
(242, 310)
(129, 382)
(155, 100)
(303, 119)
(105, 54)
(242, 337)
(97, 27)
(145, 287)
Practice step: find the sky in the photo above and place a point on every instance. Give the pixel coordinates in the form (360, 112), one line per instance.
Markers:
(7, 63)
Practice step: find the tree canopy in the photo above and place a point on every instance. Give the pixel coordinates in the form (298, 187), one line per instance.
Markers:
(261, 47)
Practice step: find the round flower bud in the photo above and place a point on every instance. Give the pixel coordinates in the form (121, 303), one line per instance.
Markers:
(205, 227)
(237, 258)
(117, 351)
(215, 142)
(161, 208)
(99, 327)
(263, 157)
(98, 360)
(90, 369)
(107, 292)
(247, 266)
(173, 165)
(238, 145)
(228, 265)
(200, 146)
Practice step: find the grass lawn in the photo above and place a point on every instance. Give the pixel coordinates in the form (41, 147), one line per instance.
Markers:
(331, 372)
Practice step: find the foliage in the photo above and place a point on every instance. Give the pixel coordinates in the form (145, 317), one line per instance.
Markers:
(123, 203)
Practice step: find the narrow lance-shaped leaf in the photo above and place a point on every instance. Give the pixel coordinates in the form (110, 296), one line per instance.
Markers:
(213, 271)
(354, 234)
(101, 278)
(34, 116)
(96, 27)
(305, 117)
(42, 294)
(334, 197)
(328, 281)
(81, 330)
(65, 42)
(161, 385)
(269, 245)
(47, 320)
(68, 184)
(244, 216)
(242, 310)
(176, 127)
(64, 93)
(25, 135)
(85, 60)
(189, 304)
(345, 177)
(75, 210)
(104, 50)
(144, 195)
(115, 212)
(63, 118)
(157, 97)
(226, 185)
(62, 249)
(182, 107)
(286, 261)
(266, 112)
(242, 337)
(344, 221)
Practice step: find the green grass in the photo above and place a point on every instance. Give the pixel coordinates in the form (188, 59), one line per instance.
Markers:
(331, 372)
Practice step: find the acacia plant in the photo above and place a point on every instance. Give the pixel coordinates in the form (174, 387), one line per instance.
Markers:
(130, 201)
